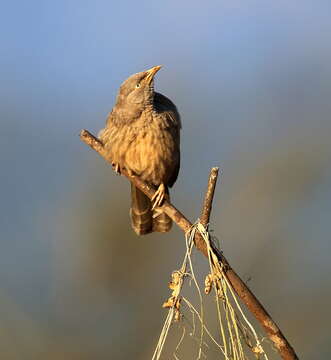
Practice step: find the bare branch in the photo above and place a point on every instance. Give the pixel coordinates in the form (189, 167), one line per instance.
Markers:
(207, 204)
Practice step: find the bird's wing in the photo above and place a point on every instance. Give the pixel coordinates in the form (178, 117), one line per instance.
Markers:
(167, 109)
(164, 105)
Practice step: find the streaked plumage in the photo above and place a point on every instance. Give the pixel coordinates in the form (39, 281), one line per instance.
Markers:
(142, 135)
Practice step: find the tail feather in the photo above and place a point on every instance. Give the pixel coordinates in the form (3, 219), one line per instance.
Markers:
(161, 221)
(144, 220)
(141, 212)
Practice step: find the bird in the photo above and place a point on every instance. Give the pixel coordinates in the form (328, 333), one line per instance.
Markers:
(142, 135)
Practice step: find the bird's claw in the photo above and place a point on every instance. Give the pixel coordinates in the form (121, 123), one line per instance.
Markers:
(157, 212)
(159, 196)
(116, 168)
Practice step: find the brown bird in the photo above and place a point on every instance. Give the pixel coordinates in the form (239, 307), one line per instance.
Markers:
(142, 136)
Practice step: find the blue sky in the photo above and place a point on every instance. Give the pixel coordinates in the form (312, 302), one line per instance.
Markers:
(251, 80)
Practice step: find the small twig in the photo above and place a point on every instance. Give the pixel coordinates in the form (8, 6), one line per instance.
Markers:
(274, 333)
(207, 204)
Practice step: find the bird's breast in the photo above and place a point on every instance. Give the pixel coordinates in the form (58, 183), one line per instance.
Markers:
(146, 147)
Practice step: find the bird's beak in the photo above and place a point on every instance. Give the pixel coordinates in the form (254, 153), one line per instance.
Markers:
(151, 72)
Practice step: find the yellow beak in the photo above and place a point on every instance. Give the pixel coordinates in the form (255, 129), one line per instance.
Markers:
(151, 72)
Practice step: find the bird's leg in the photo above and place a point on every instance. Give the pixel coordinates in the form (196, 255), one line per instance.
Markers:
(159, 195)
(116, 168)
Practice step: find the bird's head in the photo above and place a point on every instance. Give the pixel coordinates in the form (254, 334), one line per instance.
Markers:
(138, 89)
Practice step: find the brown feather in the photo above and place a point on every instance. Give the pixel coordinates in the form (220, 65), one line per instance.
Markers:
(142, 135)
(140, 212)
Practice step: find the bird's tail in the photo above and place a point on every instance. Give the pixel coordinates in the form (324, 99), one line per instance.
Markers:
(144, 220)
(161, 221)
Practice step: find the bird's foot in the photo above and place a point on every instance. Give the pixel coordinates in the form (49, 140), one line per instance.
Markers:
(116, 168)
(159, 196)
(157, 212)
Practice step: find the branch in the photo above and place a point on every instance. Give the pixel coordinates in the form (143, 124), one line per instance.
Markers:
(207, 204)
(248, 298)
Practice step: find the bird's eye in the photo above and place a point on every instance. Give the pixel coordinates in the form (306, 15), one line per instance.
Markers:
(138, 85)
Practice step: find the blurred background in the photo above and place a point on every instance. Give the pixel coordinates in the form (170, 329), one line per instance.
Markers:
(252, 81)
